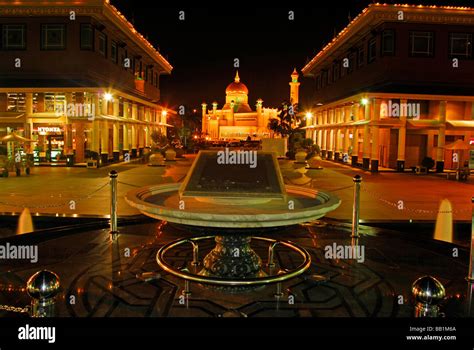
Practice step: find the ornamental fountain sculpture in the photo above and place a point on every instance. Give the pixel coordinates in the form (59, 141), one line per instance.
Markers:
(231, 201)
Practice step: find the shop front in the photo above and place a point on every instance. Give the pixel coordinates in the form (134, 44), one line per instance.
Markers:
(48, 148)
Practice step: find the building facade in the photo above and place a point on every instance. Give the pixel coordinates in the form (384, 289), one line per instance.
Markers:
(236, 119)
(79, 80)
(396, 86)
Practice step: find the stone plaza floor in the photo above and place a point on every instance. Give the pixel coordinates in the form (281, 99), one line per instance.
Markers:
(102, 278)
(385, 196)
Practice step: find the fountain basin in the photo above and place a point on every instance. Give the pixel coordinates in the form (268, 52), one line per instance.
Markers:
(163, 202)
(237, 198)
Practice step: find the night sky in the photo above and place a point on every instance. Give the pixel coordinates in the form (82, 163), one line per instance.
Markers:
(203, 47)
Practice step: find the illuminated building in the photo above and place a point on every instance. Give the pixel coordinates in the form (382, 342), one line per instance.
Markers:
(79, 80)
(388, 63)
(236, 119)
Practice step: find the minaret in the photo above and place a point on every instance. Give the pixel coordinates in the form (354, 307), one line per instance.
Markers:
(204, 117)
(231, 121)
(259, 113)
(214, 108)
(294, 87)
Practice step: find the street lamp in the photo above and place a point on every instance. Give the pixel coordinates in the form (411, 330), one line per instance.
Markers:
(108, 96)
(309, 116)
(364, 101)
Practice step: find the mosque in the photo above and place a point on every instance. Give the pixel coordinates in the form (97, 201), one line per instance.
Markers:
(236, 120)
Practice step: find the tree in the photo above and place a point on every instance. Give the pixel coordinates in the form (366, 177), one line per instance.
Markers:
(160, 141)
(286, 124)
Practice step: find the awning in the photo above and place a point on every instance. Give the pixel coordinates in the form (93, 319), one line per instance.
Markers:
(460, 124)
(423, 123)
(133, 121)
(387, 123)
(47, 115)
(11, 117)
(336, 126)
(48, 118)
(358, 122)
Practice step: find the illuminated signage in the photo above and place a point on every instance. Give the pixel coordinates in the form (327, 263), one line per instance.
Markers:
(49, 129)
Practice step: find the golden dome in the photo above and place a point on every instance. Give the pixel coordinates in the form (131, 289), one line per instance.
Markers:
(236, 87)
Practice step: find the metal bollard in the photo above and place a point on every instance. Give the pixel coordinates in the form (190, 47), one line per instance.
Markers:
(428, 293)
(356, 206)
(113, 202)
(470, 276)
(43, 287)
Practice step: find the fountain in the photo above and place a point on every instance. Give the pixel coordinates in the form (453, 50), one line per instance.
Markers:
(235, 200)
(25, 222)
(444, 222)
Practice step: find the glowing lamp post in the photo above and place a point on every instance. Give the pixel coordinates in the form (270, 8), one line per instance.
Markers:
(108, 96)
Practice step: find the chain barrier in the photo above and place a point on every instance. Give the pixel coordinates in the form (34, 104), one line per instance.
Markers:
(10, 288)
(55, 205)
(42, 287)
(127, 184)
(396, 205)
(21, 310)
(371, 193)
(341, 188)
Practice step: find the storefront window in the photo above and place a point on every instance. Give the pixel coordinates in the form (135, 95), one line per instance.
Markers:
(54, 102)
(49, 145)
(16, 102)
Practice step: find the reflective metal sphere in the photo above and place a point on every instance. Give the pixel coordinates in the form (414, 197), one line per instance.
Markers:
(428, 290)
(43, 285)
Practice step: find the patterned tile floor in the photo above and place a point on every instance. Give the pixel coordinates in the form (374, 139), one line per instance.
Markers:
(98, 278)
